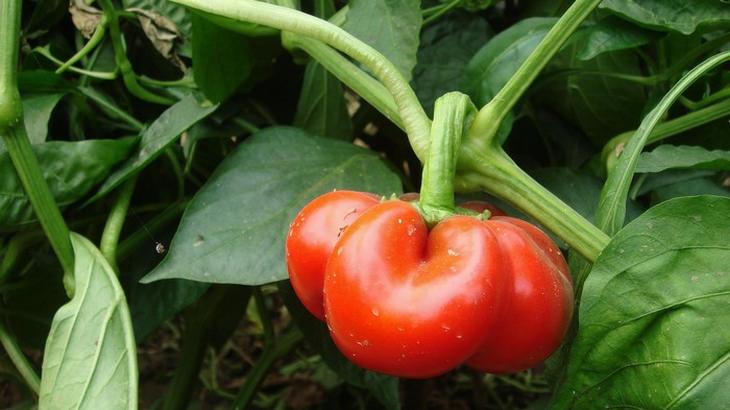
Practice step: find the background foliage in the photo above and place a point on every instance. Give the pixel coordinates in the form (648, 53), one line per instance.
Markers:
(232, 134)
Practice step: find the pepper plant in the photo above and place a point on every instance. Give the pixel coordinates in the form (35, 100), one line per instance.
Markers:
(154, 154)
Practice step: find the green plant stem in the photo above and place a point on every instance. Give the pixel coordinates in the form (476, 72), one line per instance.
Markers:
(40, 196)
(283, 345)
(10, 104)
(491, 115)
(246, 125)
(94, 41)
(110, 107)
(351, 75)
(437, 183)
(185, 82)
(125, 67)
(100, 75)
(415, 120)
(438, 11)
(615, 146)
(16, 355)
(496, 173)
(264, 315)
(115, 222)
(696, 105)
(178, 171)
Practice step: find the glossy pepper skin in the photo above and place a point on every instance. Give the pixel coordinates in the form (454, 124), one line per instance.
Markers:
(408, 302)
(539, 305)
(493, 294)
(312, 236)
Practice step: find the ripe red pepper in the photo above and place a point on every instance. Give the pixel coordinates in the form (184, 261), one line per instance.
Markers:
(312, 236)
(401, 300)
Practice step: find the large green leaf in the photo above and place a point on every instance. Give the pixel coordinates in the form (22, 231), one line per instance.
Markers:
(90, 359)
(446, 47)
(158, 136)
(676, 15)
(671, 156)
(321, 109)
(384, 388)
(234, 229)
(654, 330)
(692, 187)
(494, 64)
(601, 106)
(71, 169)
(222, 59)
(611, 34)
(390, 26)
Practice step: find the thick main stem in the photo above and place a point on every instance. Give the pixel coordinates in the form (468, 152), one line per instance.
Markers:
(496, 173)
(18, 146)
(351, 75)
(415, 120)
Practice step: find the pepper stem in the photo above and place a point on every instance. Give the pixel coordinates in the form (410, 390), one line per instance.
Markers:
(453, 113)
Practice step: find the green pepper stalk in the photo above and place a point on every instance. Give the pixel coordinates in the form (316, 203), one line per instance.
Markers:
(19, 149)
(453, 113)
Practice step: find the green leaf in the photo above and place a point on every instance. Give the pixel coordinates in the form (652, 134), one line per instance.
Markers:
(234, 229)
(611, 34)
(671, 156)
(579, 191)
(71, 169)
(602, 107)
(90, 359)
(222, 59)
(158, 136)
(37, 111)
(493, 65)
(384, 388)
(692, 187)
(654, 331)
(675, 15)
(390, 26)
(321, 109)
(446, 47)
(669, 177)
